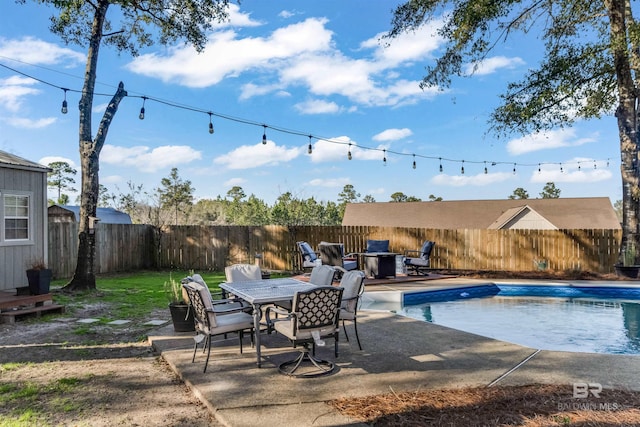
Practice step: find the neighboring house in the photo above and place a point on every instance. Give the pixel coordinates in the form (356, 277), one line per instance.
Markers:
(23, 208)
(68, 213)
(537, 214)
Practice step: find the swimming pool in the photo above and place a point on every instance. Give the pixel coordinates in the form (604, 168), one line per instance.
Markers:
(596, 319)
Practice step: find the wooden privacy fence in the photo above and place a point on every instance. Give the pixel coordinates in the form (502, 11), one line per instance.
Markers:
(133, 247)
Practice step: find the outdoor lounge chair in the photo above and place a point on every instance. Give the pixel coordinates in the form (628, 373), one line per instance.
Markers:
(309, 257)
(333, 254)
(210, 323)
(353, 284)
(315, 316)
(419, 264)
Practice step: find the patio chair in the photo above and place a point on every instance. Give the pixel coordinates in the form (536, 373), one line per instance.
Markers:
(217, 300)
(210, 323)
(309, 257)
(315, 316)
(419, 263)
(353, 284)
(242, 272)
(333, 254)
(321, 275)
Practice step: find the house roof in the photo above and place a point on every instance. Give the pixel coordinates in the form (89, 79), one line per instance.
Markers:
(12, 161)
(562, 213)
(106, 215)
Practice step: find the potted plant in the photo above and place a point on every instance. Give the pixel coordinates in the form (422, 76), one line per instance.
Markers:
(39, 277)
(629, 268)
(181, 313)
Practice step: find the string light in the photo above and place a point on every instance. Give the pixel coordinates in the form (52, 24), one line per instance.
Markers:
(310, 149)
(384, 158)
(141, 116)
(485, 168)
(514, 168)
(462, 168)
(64, 110)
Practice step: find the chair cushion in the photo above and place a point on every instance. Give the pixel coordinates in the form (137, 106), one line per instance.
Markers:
(232, 322)
(285, 327)
(200, 285)
(307, 252)
(421, 262)
(426, 248)
(349, 264)
(377, 246)
(322, 275)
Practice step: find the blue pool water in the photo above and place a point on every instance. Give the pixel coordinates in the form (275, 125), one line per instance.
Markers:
(590, 319)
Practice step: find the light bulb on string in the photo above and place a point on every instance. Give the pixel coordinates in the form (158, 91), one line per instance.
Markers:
(607, 162)
(440, 159)
(349, 153)
(462, 168)
(210, 123)
(595, 166)
(64, 109)
(264, 135)
(414, 161)
(384, 158)
(514, 168)
(561, 171)
(485, 168)
(141, 116)
(310, 149)
(578, 166)
(539, 169)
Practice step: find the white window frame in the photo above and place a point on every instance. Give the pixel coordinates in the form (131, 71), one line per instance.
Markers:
(29, 217)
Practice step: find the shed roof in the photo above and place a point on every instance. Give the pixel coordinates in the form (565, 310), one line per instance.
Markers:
(106, 215)
(12, 161)
(563, 213)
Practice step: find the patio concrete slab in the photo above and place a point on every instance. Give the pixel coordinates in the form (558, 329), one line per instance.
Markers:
(399, 354)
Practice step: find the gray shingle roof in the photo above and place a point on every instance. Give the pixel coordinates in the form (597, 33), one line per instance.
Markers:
(563, 213)
(12, 161)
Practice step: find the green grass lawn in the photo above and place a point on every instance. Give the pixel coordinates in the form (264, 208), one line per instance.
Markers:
(130, 296)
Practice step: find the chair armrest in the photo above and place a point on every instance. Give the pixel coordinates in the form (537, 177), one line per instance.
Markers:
(276, 310)
(407, 252)
(227, 311)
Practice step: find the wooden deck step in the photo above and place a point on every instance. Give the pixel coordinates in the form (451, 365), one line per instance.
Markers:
(11, 315)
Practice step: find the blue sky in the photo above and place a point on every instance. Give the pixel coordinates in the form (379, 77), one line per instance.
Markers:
(310, 68)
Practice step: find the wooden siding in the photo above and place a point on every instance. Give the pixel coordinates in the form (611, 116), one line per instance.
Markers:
(17, 256)
(124, 247)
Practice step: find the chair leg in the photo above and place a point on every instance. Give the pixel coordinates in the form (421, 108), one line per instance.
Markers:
(335, 344)
(355, 327)
(344, 328)
(195, 348)
(206, 362)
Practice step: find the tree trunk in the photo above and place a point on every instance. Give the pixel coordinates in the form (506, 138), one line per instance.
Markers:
(627, 117)
(84, 276)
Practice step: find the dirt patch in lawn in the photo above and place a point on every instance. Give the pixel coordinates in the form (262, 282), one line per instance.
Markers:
(55, 373)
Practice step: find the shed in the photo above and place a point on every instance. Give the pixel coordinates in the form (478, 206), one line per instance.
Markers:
(533, 214)
(23, 208)
(68, 213)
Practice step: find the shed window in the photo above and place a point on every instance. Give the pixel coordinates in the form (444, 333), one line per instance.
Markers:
(16, 217)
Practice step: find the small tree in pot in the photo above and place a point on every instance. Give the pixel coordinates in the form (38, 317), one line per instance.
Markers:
(39, 277)
(181, 313)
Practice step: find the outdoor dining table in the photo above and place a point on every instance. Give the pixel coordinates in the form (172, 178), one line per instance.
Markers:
(265, 291)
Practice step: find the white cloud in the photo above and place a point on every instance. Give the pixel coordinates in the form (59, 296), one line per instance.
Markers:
(146, 159)
(253, 156)
(578, 170)
(317, 106)
(111, 179)
(25, 123)
(491, 65)
(39, 52)
(14, 89)
(392, 134)
(234, 182)
(479, 180)
(51, 159)
(547, 140)
(302, 54)
(330, 182)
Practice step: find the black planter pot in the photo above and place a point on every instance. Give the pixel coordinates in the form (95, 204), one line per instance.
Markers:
(39, 280)
(182, 317)
(628, 271)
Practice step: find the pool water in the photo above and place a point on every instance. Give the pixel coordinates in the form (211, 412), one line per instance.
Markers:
(593, 325)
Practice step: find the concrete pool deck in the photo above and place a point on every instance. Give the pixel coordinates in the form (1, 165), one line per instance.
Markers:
(399, 354)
